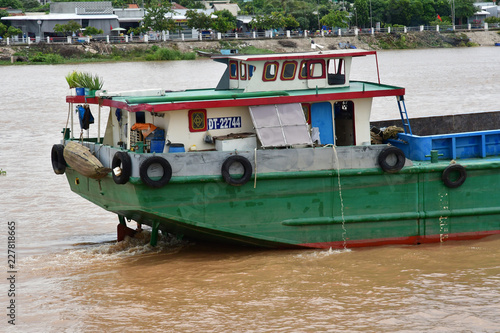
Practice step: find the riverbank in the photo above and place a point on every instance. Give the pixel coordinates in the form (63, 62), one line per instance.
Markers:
(177, 50)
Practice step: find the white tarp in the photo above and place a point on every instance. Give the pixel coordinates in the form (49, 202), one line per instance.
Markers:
(281, 125)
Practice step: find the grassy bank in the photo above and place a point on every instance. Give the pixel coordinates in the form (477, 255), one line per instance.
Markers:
(101, 52)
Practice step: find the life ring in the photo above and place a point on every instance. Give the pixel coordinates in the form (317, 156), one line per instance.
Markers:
(247, 170)
(122, 160)
(58, 161)
(452, 169)
(167, 172)
(384, 156)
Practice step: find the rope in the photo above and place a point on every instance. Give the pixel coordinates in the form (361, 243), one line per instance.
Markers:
(255, 174)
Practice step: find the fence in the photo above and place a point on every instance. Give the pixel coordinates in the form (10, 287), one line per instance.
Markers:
(190, 36)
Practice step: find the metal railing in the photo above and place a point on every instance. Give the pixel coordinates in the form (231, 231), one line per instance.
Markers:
(190, 36)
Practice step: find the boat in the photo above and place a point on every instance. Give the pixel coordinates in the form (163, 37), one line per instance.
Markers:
(281, 154)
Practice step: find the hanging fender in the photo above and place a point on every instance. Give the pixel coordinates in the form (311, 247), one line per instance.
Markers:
(122, 160)
(450, 169)
(385, 156)
(167, 172)
(247, 170)
(58, 161)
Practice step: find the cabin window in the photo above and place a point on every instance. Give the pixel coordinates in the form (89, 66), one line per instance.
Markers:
(303, 70)
(336, 72)
(306, 107)
(197, 120)
(251, 69)
(289, 69)
(270, 71)
(312, 69)
(243, 71)
(233, 70)
(316, 69)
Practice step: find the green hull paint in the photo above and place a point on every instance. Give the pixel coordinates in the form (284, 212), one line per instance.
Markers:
(305, 208)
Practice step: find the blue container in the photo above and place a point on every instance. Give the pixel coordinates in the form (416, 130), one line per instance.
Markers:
(80, 91)
(176, 148)
(157, 146)
(157, 134)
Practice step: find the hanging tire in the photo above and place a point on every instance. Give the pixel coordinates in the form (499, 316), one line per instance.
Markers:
(122, 160)
(388, 155)
(167, 172)
(58, 161)
(450, 169)
(247, 170)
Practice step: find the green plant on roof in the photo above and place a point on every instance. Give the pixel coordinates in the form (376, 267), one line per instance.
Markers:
(72, 78)
(85, 80)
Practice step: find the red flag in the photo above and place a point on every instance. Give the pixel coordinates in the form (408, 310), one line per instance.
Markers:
(111, 27)
(439, 18)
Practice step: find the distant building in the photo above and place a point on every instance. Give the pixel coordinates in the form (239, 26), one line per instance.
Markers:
(95, 14)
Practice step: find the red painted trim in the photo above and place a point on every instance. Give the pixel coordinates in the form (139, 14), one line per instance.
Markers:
(303, 64)
(237, 102)
(295, 56)
(235, 76)
(411, 240)
(308, 107)
(283, 70)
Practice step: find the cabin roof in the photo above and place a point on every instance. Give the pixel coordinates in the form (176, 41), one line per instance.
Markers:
(302, 55)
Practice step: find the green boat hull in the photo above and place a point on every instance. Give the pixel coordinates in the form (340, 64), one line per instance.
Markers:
(316, 209)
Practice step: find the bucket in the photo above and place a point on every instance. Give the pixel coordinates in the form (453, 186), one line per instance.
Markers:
(80, 91)
(176, 148)
(157, 146)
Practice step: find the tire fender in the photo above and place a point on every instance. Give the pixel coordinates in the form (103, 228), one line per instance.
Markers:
(122, 159)
(247, 170)
(167, 171)
(58, 161)
(452, 169)
(384, 156)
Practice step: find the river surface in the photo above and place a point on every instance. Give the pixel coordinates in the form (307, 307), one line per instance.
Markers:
(71, 276)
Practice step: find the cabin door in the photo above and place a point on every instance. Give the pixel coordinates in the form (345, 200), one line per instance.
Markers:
(321, 117)
(344, 123)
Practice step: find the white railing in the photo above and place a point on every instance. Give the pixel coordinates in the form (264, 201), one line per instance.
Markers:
(189, 36)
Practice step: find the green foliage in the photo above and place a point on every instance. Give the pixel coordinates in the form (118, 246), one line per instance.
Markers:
(336, 19)
(225, 21)
(6, 31)
(86, 80)
(198, 20)
(156, 19)
(68, 29)
(92, 31)
(14, 4)
(169, 54)
(71, 79)
(492, 20)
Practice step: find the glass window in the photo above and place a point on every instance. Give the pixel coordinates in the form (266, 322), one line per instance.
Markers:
(289, 69)
(243, 71)
(270, 71)
(336, 72)
(233, 69)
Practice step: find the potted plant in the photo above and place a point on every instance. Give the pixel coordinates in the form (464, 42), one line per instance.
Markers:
(90, 82)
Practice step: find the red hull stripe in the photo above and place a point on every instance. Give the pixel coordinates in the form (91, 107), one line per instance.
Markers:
(413, 240)
(236, 102)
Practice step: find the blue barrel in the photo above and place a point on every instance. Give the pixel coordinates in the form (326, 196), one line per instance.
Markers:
(176, 148)
(157, 146)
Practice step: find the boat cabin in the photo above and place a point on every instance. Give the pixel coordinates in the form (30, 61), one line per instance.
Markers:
(261, 102)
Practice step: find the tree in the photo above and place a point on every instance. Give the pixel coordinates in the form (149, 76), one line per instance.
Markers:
(335, 18)
(225, 21)
(198, 20)
(464, 9)
(156, 19)
(92, 31)
(6, 31)
(362, 13)
(67, 29)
